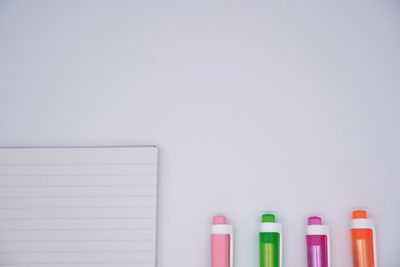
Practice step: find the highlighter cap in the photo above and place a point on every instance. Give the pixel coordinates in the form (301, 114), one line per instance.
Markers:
(219, 220)
(359, 214)
(268, 218)
(314, 220)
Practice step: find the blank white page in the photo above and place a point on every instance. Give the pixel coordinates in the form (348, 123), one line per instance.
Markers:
(78, 207)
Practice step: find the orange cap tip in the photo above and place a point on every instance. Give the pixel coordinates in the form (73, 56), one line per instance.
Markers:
(359, 214)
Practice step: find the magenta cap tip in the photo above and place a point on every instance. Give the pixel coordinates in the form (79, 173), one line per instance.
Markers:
(219, 220)
(314, 220)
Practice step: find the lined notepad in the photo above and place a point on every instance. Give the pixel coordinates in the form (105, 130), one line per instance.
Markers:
(80, 207)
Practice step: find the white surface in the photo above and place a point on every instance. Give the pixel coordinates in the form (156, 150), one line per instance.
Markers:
(78, 207)
(294, 105)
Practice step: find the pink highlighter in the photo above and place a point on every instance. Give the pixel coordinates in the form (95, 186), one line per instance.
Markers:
(221, 243)
(318, 248)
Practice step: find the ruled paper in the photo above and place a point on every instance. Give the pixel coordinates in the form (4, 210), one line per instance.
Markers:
(80, 207)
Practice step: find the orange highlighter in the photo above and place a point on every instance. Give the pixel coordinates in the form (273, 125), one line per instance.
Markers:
(363, 240)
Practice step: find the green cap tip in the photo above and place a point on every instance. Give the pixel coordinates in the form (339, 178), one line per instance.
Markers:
(268, 218)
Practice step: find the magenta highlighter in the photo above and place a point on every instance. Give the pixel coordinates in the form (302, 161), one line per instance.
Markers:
(318, 249)
(221, 243)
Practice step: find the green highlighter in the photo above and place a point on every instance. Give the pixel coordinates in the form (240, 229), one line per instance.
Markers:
(270, 242)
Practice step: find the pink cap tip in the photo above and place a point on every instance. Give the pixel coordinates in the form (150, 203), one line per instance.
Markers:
(314, 220)
(219, 220)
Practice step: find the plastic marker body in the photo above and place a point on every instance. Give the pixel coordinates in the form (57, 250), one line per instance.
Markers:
(318, 248)
(221, 243)
(363, 240)
(270, 242)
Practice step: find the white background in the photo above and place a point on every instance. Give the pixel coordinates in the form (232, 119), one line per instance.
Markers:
(288, 107)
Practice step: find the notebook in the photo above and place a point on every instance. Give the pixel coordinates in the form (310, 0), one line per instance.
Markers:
(80, 207)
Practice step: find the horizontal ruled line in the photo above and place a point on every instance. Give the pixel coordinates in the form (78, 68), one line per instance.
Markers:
(75, 218)
(77, 229)
(67, 175)
(79, 164)
(78, 251)
(77, 240)
(110, 196)
(75, 185)
(74, 263)
(112, 207)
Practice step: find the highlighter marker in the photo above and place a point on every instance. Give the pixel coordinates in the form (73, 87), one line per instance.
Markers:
(318, 248)
(221, 243)
(363, 240)
(270, 242)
